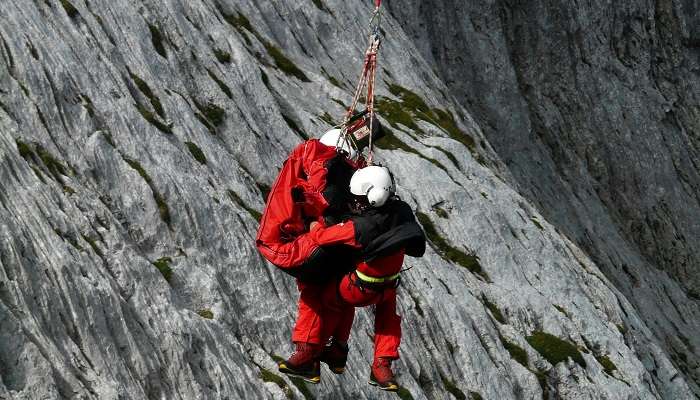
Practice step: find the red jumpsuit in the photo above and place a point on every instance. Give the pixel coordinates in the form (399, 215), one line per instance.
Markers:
(342, 297)
(311, 309)
(281, 238)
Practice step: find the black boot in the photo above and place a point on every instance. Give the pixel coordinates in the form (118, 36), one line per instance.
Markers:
(335, 355)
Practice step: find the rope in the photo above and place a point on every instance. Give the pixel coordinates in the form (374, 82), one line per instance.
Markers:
(367, 79)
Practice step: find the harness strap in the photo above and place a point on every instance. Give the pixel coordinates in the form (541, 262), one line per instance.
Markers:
(371, 279)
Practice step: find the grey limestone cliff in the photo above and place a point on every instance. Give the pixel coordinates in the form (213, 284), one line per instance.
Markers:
(550, 150)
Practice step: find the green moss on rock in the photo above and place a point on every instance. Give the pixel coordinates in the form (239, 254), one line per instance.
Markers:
(410, 100)
(206, 313)
(495, 311)
(238, 201)
(222, 85)
(269, 376)
(553, 349)
(196, 152)
(276, 358)
(537, 223)
(446, 121)
(453, 254)
(335, 82)
(55, 167)
(93, 244)
(441, 212)
(319, 4)
(391, 142)
(475, 396)
(163, 208)
(151, 118)
(516, 352)
(25, 150)
(212, 112)
(239, 22)
(110, 140)
(340, 103)
(163, 265)
(607, 364)
(70, 238)
(404, 394)
(294, 127)
(327, 118)
(210, 127)
(146, 90)
(284, 63)
(242, 24)
(70, 9)
(210, 115)
(449, 155)
(137, 166)
(412, 106)
(301, 385)
(394, 113)
(224, 57)
(157, 40)
(453, 389)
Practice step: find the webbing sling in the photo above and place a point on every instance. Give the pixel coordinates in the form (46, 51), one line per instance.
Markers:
(371, 279)
(367, 79)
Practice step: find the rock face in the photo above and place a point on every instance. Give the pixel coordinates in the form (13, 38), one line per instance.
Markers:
(550, 151)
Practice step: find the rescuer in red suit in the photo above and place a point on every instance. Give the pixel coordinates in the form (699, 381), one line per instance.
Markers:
(385, 229)
(298, 231)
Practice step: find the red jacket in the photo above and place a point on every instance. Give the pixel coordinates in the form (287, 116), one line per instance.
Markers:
(281, 238)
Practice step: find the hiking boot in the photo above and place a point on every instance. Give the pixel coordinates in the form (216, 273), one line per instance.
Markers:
(303, 363)
(382, 376)
(335, 355)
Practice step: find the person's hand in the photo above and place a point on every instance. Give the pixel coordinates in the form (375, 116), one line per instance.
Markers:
(317, 225)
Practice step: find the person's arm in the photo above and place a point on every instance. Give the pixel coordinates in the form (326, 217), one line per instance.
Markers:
(314, 157)
(342, 233)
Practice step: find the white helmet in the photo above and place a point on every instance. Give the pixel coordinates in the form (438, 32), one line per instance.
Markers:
(332, 138)
(374, 182)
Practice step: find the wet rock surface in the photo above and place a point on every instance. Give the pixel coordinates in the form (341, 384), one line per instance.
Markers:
(550, 152)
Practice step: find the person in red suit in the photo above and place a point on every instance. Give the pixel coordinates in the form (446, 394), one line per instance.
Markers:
(386, 230)
(299, 232)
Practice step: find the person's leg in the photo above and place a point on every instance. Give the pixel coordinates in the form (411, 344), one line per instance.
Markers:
(333, 310)
(387, 327)
(349, 296)
(387, 337)
(337, 322)
(308, 324)
(306, 335)
(344, 326)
